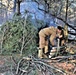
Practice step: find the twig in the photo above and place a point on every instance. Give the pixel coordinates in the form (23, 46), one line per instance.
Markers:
(22, 73)
(2, 42)
(23, 41)
(74, 70)
(18, 66)
(58, 47)
(28, 42)
(40, 62)
(59, 58)
(51, 71)
(40, 65)
(22, 45)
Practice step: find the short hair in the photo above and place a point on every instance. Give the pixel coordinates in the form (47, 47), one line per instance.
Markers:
(59, 27)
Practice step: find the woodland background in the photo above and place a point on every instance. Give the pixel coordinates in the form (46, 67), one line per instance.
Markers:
(20, 22)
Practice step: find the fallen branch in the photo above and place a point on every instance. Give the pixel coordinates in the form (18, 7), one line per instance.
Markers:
(39, 64)
(60, 58)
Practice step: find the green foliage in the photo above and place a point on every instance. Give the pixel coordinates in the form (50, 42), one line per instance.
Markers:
(19, 34)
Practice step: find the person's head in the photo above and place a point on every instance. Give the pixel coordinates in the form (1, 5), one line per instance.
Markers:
(59, 29)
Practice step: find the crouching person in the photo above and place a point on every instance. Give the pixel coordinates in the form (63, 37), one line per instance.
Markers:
(60, 42)
(43, 41)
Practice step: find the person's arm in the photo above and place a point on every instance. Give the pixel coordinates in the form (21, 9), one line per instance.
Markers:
(52, 38)
(60, 36)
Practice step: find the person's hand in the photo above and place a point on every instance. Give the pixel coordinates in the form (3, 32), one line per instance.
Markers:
(60, 36)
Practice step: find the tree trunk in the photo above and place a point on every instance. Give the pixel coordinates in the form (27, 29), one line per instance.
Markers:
(18, 7)
(66, 26)
(14, 9)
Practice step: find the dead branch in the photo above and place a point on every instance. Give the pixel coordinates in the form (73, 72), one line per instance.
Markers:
(23, 36)
(28, 42)
(56, 16)
(72, 33)
(60, 58)
(18, 66)
(2, 38)
(74, 70)
(39, 64)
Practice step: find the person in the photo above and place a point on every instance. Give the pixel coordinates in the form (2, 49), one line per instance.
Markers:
(52, 32)
(61, 36)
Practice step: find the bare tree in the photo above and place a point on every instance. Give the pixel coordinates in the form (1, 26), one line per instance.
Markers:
(60, 10)
(18, 6)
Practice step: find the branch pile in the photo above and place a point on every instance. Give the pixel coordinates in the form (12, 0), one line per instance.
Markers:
(34, 66)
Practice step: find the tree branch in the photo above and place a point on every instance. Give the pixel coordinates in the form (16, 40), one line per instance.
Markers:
(70, 25)
(71, 33)
(63, 21)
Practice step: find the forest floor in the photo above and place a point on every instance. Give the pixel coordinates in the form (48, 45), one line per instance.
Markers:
(66, 64)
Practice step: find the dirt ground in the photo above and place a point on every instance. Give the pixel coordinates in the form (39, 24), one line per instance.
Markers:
(68, 65)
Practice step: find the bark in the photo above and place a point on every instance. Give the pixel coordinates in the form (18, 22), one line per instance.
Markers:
(18, 7)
